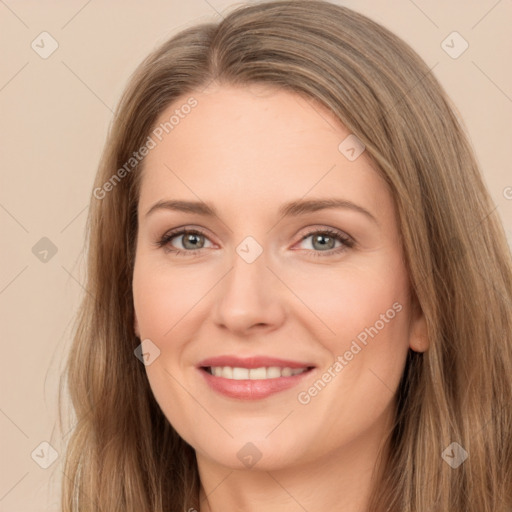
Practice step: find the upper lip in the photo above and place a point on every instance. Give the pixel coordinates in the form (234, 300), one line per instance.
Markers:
(252, 362)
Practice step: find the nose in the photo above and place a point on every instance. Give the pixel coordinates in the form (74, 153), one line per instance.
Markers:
(249, 298)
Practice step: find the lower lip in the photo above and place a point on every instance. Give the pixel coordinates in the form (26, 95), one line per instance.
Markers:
(247, 389)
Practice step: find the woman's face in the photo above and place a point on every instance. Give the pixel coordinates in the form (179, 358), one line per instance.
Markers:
(310, 305)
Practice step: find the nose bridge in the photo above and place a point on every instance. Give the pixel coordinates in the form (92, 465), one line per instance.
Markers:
(249, 295)
(249, 274)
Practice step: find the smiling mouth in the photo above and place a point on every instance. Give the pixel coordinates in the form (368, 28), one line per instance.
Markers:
(262, 373)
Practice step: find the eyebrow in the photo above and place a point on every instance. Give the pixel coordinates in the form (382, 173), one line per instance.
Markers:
(291, 209)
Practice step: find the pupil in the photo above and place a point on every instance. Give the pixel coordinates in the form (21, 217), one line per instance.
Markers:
(189, 238)
(318, 238)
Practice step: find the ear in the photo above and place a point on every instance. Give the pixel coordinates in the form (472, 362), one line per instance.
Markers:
(418, 333)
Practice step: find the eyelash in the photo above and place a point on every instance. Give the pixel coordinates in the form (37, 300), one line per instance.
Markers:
(347, 242)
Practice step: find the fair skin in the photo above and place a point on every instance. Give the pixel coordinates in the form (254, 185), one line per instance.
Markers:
(246, 152)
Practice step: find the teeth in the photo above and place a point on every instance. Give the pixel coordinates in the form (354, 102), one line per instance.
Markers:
(240, 373)
(257, 373)
(272, 372)
(227, 372)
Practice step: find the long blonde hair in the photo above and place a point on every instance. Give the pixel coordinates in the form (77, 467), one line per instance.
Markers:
(123, 455)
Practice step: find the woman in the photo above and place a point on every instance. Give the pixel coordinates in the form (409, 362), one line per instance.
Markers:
(300, 292)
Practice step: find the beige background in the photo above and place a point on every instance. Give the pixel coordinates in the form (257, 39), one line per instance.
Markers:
(55, 115)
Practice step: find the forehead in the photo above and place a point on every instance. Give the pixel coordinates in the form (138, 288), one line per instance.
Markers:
(253, 145)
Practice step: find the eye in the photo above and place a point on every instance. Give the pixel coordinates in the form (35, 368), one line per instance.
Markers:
(325, 240)
(192, 240)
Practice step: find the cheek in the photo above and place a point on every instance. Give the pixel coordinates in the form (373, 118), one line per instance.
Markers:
(162, 298)
(354, 300)
(164, 303)
(365, 331)
(362, 371)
